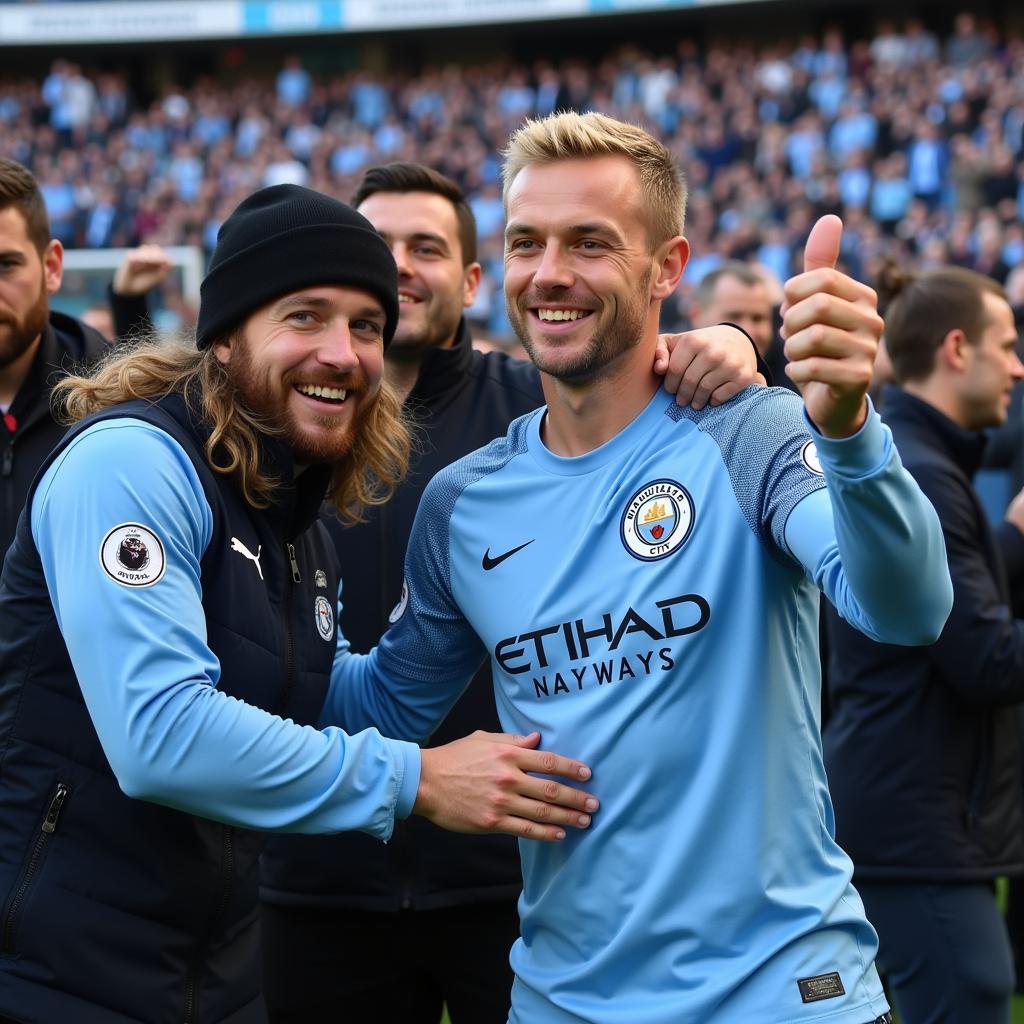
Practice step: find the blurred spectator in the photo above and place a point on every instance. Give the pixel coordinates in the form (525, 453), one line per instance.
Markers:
(100, 319)
(734, 293)
(967, 43)
(293, 82)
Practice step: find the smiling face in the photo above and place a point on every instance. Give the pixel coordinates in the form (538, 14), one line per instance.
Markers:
(310, 363)
(580, 276)
(434, 287)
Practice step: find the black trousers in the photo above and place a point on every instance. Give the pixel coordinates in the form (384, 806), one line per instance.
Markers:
(331, 964)
(944, 949)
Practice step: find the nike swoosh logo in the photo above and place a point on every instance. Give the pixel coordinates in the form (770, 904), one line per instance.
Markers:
(489, 563)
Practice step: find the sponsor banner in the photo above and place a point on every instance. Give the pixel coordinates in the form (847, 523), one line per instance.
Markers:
(47, 23)
(376, 14)
(293, 17)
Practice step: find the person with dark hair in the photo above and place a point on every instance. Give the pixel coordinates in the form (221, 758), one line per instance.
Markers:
(37, 344)
(923, 746)
(168, 635)
(643, 578)
(392, 933)
(736, 293)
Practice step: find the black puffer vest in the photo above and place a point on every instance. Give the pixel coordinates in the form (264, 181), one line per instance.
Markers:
(113, 909)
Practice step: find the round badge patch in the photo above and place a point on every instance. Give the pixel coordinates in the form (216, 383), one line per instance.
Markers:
(132, 555)
(324, 615)
(809, 455)
(658, 518)
(403, 602)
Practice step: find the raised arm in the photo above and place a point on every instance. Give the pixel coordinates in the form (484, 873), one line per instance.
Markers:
(872, 541)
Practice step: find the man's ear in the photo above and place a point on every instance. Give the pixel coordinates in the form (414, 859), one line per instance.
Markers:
(470, 283)
(670, 259)
(53, 266)
(222, 349)
(953, 350)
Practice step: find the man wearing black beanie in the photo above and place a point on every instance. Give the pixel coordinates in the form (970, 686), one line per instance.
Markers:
(167, 623)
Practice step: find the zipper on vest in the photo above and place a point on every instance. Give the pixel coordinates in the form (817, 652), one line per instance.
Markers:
(8, 466)
(48, 827)
(289, 637)
(227, 885)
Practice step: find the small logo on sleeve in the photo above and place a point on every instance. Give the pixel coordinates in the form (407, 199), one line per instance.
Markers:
(823, 986)
(320, 579)
(657, 519)
(132, 555)
(809, 457)
(324, 615)
(403, 602)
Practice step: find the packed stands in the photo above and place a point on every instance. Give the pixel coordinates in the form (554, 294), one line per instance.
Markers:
(916, 140)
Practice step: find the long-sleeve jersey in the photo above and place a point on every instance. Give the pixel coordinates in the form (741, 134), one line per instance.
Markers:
(651, 607)
(169, 733)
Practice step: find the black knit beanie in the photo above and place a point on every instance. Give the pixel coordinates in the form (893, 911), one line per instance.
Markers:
(284, 238)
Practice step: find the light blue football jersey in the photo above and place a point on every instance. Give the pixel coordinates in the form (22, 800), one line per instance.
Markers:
(651, 608)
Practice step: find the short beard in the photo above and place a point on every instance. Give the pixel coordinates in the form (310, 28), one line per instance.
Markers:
(605, 345)
(270, 407)
(21, 334)
(437, 329)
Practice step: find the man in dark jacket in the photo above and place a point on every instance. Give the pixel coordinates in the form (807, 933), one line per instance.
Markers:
(36, 345)
(922, 750)
(392, 933)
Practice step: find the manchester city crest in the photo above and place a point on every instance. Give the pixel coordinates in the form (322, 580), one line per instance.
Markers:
(324, 615)
(657, 519)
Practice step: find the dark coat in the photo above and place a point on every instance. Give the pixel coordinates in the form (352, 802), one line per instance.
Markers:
(922, 749)
(114, 909)
(461, 401)
(67, 344)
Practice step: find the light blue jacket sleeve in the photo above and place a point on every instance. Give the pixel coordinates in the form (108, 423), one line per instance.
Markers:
(146, 671)
(872, 541)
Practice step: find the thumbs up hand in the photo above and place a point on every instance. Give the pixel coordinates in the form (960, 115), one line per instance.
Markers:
(831, 326)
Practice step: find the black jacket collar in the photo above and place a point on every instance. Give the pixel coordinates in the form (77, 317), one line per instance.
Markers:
(67, 344)
(444, 369)
(965, 447)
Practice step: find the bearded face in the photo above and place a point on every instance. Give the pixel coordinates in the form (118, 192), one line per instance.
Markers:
(20, 327)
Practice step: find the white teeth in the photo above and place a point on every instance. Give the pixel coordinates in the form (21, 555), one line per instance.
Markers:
(402, 299)
(561, 314)
(316, 391)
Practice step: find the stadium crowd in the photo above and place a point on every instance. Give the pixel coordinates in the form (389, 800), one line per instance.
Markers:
(916, 141)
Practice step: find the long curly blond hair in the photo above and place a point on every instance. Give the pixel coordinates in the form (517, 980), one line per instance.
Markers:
(148, 370)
